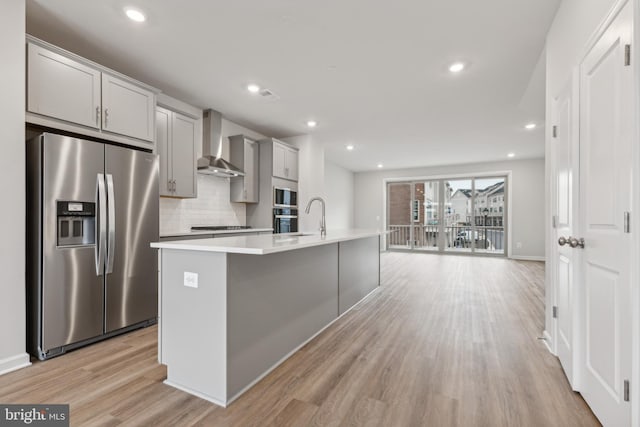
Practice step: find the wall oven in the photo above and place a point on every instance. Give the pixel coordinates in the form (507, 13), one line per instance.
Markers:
(285, 220)
(285, 198)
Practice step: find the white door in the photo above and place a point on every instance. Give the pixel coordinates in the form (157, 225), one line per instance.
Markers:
(127, 109)
(606, 118)
(565, 155)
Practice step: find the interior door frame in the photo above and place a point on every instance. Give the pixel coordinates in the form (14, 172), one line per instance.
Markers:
(508, 174)
(635, 224)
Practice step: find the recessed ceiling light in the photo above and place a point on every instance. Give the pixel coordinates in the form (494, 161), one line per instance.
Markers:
(135, 15)
(350, 147)
(380, 165)
(456, 67)
(312, 123)
(530, 126)
(253, 88)
(511, 155)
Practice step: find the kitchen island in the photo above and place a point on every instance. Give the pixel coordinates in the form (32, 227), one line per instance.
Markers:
(231, 309)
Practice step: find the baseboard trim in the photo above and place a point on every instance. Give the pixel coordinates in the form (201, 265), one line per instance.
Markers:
(527, 258)
(14, 363)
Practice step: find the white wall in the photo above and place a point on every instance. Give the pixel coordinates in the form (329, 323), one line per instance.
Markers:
(12, 165)
(527, 188)
(339, 184)
(310, 179)
(212, 206)
(575, 23)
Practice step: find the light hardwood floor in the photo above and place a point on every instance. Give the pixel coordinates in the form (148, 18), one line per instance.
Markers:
(447, 341)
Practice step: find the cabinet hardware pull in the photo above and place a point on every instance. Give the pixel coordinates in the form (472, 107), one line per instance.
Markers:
(106, 117)
(98, 116)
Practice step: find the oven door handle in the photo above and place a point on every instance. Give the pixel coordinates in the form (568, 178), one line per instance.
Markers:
(286, 216)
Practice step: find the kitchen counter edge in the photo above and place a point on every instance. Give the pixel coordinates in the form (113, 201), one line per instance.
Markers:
(265, 244)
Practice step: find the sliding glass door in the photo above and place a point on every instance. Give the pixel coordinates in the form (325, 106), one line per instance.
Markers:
(413, 213)
(448, 215)
(489, 214)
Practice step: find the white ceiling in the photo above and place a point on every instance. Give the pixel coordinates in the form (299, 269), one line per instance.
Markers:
(372, 73)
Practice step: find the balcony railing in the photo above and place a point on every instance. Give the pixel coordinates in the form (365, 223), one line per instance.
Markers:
(425, 237)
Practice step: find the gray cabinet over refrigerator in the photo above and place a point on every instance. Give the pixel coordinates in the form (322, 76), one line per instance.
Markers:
(92, 213)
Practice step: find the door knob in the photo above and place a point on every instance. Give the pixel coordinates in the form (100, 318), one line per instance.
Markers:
(574, 243)
(562, 241)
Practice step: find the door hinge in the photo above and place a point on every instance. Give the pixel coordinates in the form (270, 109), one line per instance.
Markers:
(627, 222)
(626, 390)
(554, 131)
(627, 55)
(555, 312)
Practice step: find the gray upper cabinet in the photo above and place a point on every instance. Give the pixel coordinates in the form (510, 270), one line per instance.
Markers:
(245, 154)
(163, 134)
(178, 136)
(62, 88)
(68, 92)
(127, 109)
(285, 161)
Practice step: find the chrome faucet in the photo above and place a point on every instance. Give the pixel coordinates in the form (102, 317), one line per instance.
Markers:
(323, 225)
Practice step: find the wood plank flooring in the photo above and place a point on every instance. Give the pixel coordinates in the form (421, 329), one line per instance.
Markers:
(447, 341)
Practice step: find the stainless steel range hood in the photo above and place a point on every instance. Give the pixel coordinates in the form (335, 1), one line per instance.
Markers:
(211, 162)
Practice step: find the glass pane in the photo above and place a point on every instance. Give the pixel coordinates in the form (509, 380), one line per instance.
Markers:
(425, 224)
(459, 236)
(489, 214)
(399, 217)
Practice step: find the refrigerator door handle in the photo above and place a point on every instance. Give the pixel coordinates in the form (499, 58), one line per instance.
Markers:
(101, 230)
(111, 203)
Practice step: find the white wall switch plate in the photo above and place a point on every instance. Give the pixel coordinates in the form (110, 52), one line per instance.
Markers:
(190, 279)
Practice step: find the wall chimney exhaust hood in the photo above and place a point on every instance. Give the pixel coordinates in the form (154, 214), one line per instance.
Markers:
(211, 162)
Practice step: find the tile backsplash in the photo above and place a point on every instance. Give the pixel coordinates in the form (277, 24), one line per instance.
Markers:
(211, 207)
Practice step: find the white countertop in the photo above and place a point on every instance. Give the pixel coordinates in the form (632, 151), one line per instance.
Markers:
(201, 232)
(265, 244)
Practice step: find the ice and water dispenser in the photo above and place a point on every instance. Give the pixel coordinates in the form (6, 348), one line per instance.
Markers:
(76, 223)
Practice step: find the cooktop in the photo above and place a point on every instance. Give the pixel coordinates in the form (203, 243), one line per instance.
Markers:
(220, 227)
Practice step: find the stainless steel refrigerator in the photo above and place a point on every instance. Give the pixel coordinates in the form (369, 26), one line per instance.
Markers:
(92, 211)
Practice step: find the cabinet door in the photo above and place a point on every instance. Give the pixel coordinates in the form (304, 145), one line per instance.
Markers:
(291, 164)
(62, 88)
(163, 133)
(127, 109)
(279, 154)
(252, 173)
(183, 154)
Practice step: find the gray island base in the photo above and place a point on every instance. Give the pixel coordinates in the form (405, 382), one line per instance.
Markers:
(232, 309)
